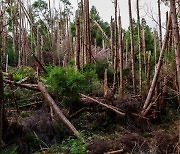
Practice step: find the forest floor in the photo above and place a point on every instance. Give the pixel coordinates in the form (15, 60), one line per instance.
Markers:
(101, 130)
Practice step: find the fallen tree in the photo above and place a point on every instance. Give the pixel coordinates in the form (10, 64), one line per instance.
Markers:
(56, 109)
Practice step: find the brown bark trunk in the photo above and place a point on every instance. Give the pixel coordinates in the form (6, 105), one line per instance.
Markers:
(160, 26)
(56, 109)
(120, 58)
(87, 33)
(153, 85)
(116, 48)
(144, 51)
(148, 70)
(139, 45)
(176, 39)
(132, 48)
(127, 49)
(77, 50)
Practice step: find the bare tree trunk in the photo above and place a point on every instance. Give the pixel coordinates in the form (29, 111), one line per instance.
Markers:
(139, 45)
(1, 105)
(112, 41)
(120, 58)
(41, 50)
(132, 48)
(77, 50)
(56, 109)
(176, 39)
(116, 48)
(144, 51)
(160, 26)
(87, 33)
(127, 49)
(148, 70)
(157, 71)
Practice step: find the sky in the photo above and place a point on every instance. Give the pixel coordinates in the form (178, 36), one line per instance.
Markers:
(147, 9)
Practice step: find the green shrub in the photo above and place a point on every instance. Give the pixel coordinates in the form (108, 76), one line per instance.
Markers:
(21, 73)
(75, 146)
(68, 83)
(100, 68)
(10, 150)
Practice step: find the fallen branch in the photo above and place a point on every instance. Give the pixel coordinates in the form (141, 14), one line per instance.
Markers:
(23, 80)
(26, 86)
(29, 105)
(115, 152)
(105, 105)
(150, 105)
(56, 109)
(78, 112)
(109, 41)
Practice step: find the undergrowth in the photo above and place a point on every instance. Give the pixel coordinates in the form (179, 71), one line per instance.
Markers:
(68, 83)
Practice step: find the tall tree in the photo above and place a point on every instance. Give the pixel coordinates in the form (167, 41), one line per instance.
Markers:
(87, 33)
(115, 47)
(176, 38)
(121, 49)
(160, 24)
(77, 48)
(132, 48)
(139, 45)
(157, 71)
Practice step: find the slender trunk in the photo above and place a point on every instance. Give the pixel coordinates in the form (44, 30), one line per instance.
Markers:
(176, 39)
(127, 49)
(148, 70)
(132, 48)
(120, 58)
(157, 71)
(77, 50)
(139, 45)
(144, 51)
(112, 41)
(116, 48)
(87, 33)
(160, 25)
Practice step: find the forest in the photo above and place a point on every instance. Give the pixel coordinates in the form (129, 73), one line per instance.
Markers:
(73, 83)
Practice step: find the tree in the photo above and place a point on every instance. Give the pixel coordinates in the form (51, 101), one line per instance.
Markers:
(77, 48)
(139, 45)
(132, 48)
(176, 39)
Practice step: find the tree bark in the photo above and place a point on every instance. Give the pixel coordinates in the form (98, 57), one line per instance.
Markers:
(176, 39)
(121, 49)
(139, 47)
(160, 25)
(144, 51)
(115, 48)
(56, 109)
(132, 48)
(157, 71)
(77, 50)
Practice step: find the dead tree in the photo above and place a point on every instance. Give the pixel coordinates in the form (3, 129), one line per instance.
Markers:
(115, 47)
(176, 39)
(132, 48)
(87, 33)
(56, 109)
(144, 50)
(121, 49)
(158, 68)
(77, 49)
(148, 70)
(127, 49)
(112, 41)
(160, 25)
(3, 118)
(139, 45)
